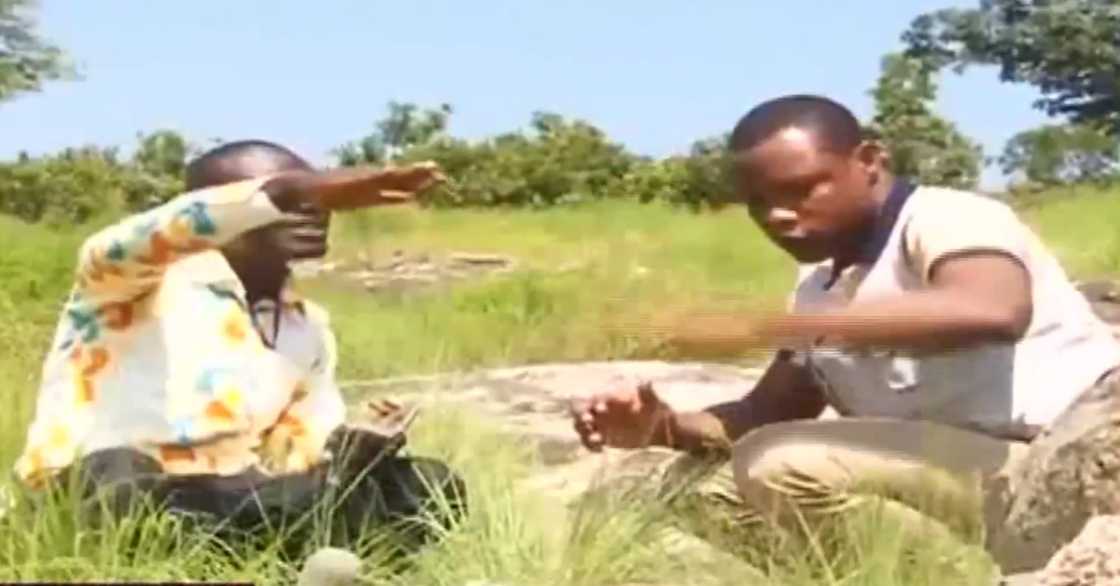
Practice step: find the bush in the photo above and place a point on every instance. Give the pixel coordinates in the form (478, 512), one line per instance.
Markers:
(556, 161)
(79, 184)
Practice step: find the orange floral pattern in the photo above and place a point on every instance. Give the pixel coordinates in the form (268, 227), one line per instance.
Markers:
(156, 350)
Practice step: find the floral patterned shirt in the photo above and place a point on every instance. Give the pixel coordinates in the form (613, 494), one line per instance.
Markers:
(157, 350)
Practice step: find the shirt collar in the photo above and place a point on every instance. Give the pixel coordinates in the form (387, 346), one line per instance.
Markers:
(881, 230)
(886, 220)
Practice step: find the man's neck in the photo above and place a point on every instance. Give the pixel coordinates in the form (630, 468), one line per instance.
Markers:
(268, 288)
(261, 282)
(853, 253)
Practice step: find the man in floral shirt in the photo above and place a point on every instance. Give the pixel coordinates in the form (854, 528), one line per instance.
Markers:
(186, 369)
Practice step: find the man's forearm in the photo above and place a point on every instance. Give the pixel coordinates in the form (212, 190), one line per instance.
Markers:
(919, 321)
(696, 432)
(785, 392)
(916, 321)
(128, 258)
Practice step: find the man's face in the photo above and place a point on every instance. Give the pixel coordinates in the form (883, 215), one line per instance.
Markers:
(300, 238)
(811, 202)
(270, 248)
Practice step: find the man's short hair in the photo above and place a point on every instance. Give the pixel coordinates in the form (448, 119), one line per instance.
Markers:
(833, 126)
(221, 164)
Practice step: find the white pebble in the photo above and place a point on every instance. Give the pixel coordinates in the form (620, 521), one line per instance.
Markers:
(330, 567)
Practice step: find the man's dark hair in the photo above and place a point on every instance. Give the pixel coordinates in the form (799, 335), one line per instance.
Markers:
(222, 164)
(834, 127)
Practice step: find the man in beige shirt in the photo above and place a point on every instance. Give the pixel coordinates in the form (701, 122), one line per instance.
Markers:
(933, 321)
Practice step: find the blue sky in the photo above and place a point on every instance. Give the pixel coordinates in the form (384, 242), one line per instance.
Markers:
(654, 74)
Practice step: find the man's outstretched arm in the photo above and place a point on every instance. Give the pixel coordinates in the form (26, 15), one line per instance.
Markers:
(129, 258)
(637, 418)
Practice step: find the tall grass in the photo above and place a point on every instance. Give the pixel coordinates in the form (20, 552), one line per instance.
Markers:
(582, 268)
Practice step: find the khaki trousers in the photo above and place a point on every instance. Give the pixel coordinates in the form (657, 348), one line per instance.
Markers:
(937, 475)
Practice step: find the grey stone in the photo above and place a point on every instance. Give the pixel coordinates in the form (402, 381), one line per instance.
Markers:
(330, 567)
(1070, 475)
(1092, 558)
(532, 402)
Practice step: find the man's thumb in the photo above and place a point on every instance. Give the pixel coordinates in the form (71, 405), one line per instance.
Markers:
(647, 396)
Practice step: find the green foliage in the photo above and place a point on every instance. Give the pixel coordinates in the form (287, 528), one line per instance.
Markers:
(1067, 49)
(922, 145)
(1062, 154)
(26, 60)
(162, 153)
(554, 161)
(698, 181)
(79, 184)
(405, 126)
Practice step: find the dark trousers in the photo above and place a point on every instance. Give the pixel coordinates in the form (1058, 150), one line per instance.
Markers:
(335, 502)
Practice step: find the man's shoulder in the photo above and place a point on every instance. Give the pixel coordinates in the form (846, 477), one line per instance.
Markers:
(933, 199)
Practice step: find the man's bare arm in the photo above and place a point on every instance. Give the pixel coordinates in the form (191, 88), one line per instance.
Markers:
(785, 392)
(973, 298)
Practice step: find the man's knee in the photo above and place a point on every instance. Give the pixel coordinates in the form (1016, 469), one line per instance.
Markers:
(773, 473)
(114, 480)
(413, 486)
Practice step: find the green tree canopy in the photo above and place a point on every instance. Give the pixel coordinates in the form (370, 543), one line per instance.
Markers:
(405, 126)
(1062, 154)
(555, 160)
(26, 60)
(922, 144)
(1068, 49)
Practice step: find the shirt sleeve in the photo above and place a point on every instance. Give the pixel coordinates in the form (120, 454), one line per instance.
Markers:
(950, 224)
(129, 258)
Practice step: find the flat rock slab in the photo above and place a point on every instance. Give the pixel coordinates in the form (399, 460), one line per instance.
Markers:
(532, 403)
(1092, 558)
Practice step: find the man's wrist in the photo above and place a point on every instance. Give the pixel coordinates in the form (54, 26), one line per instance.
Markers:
(696, 433)
(287, 190)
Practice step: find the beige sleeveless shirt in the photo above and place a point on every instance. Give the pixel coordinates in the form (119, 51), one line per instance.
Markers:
(998, 389)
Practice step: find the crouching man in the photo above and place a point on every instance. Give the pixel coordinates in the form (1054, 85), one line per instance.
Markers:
(933, 321)
(186, 369)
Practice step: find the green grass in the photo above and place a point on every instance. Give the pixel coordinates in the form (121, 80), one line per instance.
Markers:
(618, 260)
(582, 269)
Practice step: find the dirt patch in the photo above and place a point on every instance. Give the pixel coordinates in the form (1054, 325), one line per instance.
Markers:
(402, 273)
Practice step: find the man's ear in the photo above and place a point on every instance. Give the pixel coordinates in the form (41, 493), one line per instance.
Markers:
(874, 158)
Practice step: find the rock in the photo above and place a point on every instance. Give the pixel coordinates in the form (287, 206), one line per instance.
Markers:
(465, 258)
(1019, 580)
(330, 567)
(1070, 475)
(1091, 559)
(532, 403)
(1100, 291)
(402, 273)
(1104, 298)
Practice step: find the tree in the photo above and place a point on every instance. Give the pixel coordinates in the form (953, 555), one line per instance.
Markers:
(163, 152)
(922, 145)
(80, 184)
(555, 161)
(1065, 48)
(699, 180)
(405, 126)
(1061, 154)
(26, 60)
